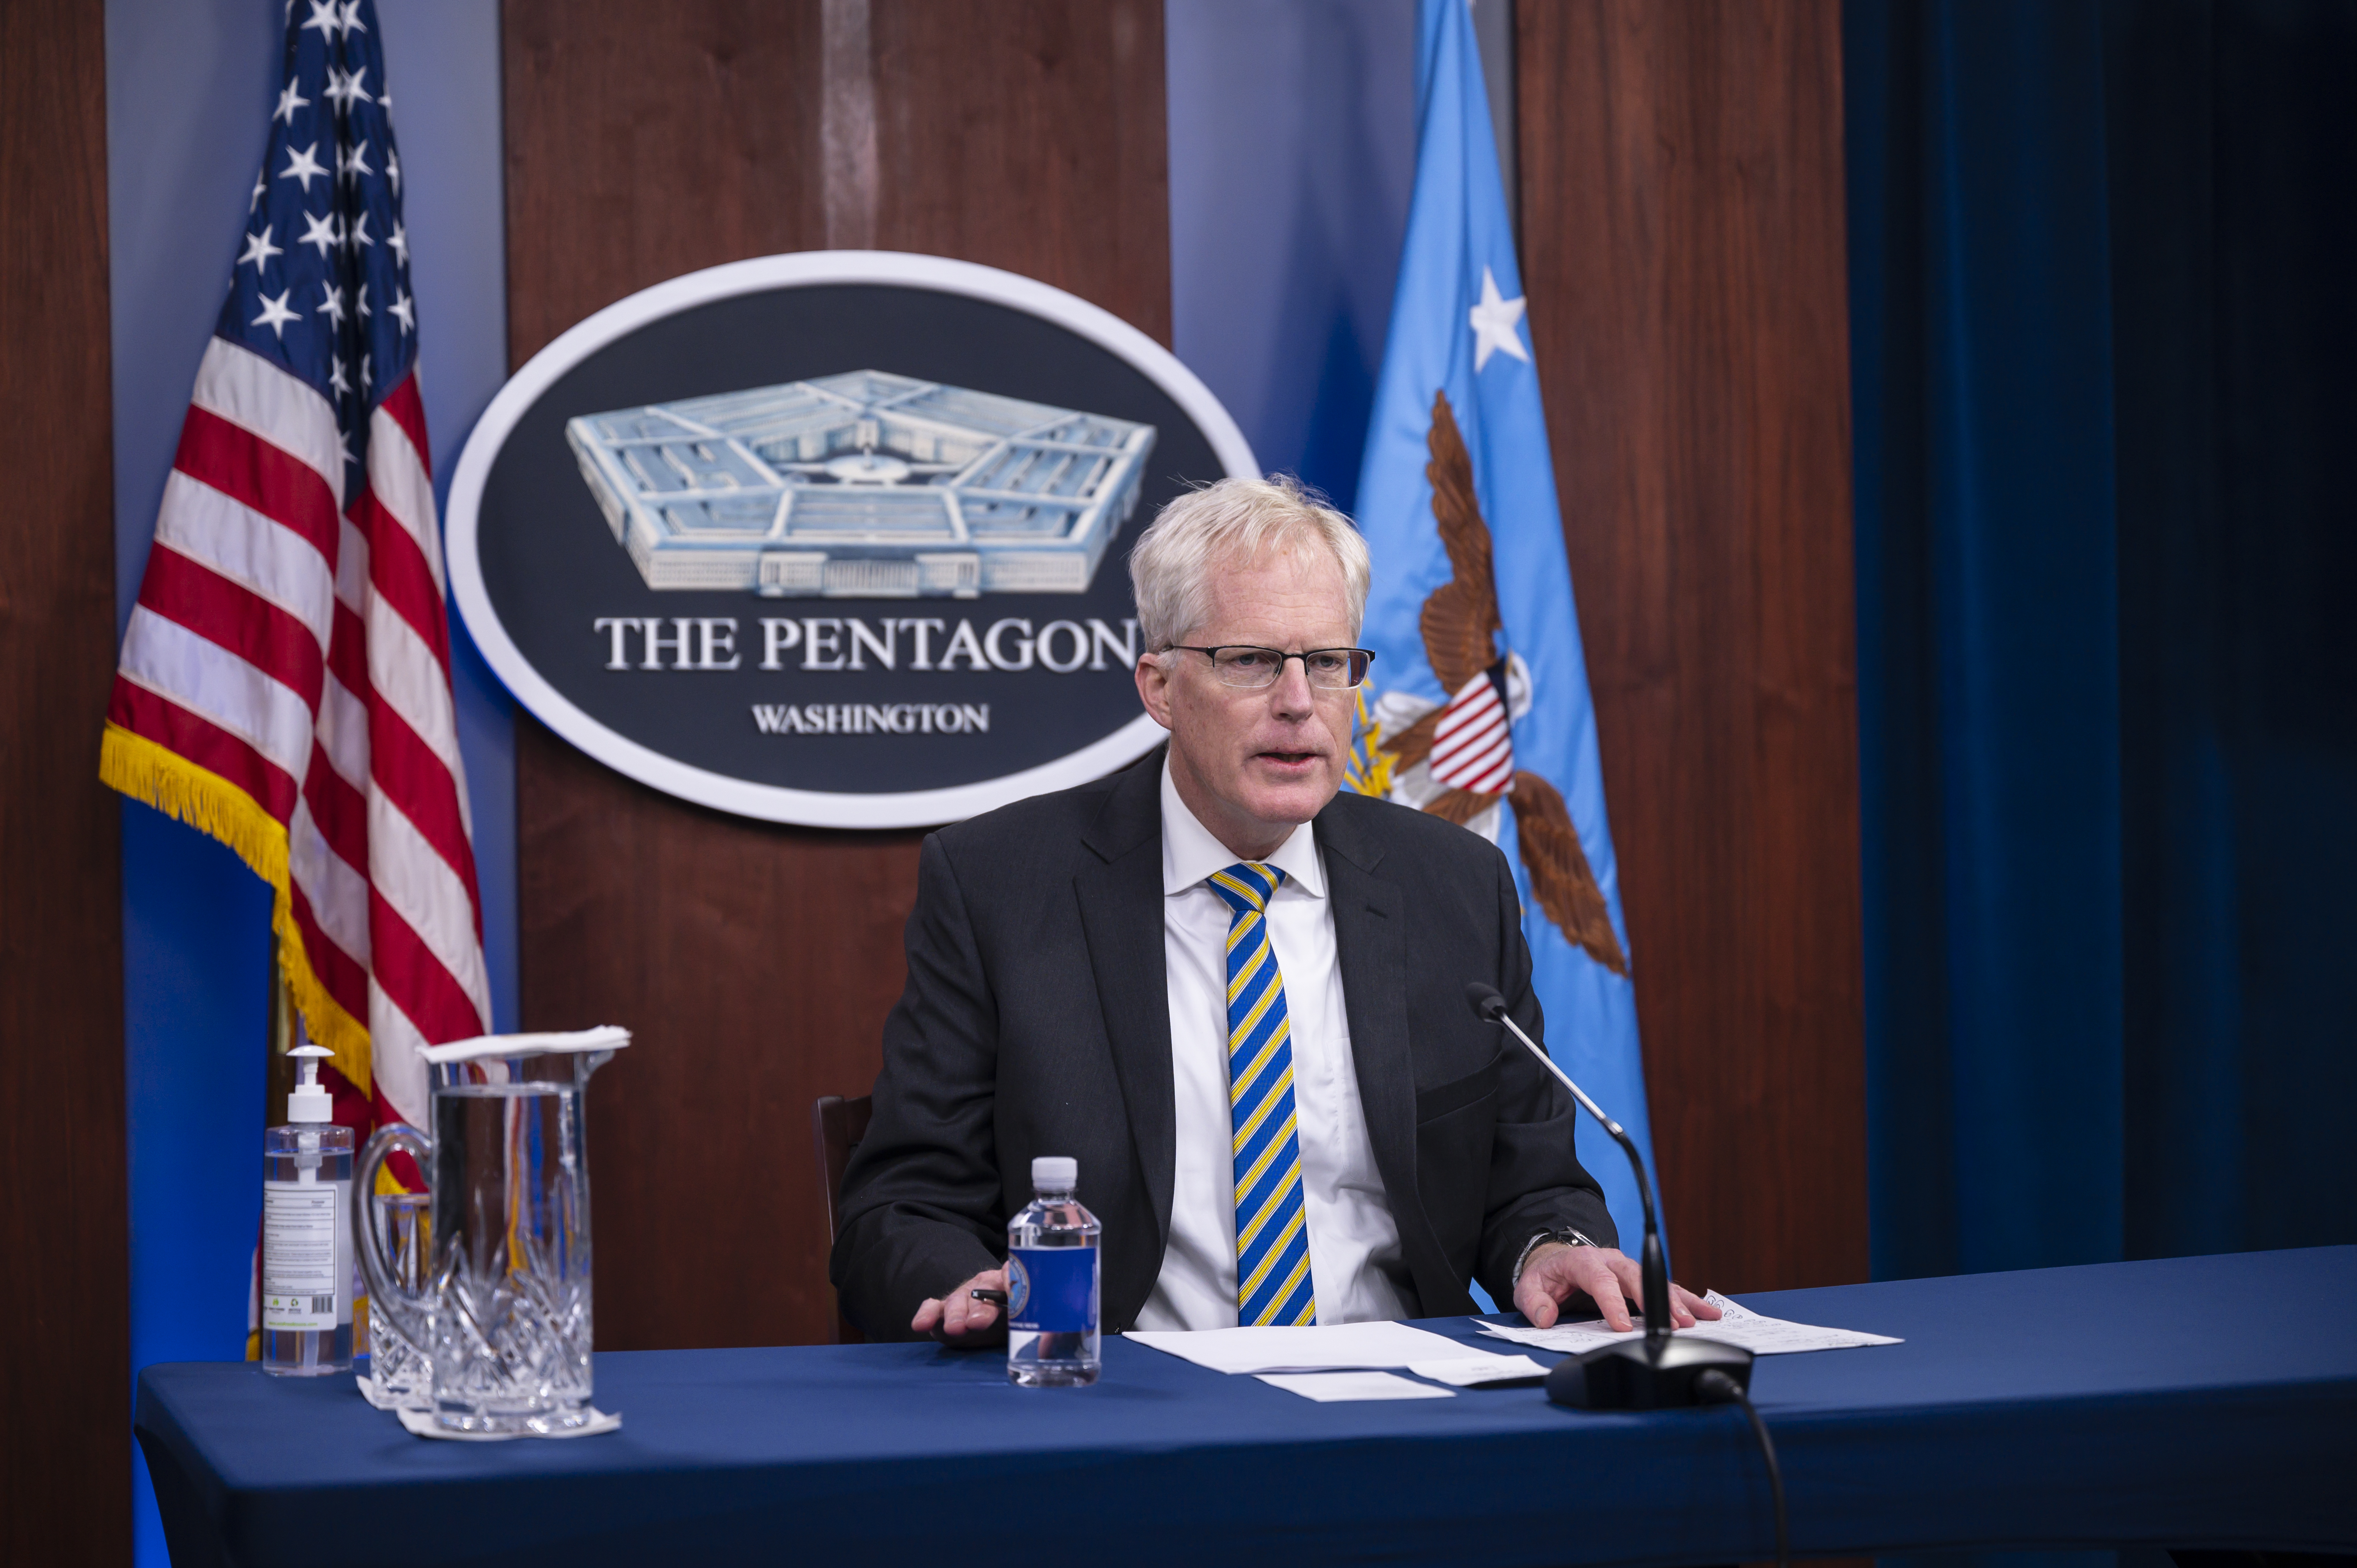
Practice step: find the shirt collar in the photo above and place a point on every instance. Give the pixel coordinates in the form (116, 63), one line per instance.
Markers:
(1190, 852)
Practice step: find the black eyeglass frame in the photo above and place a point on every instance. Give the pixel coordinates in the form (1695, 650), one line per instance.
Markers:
(1365, 654)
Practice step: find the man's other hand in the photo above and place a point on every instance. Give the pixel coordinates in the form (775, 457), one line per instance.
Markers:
(960, 1320)
(1556, 1272)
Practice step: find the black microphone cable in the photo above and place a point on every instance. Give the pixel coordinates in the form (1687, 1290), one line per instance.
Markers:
(1719, 1388)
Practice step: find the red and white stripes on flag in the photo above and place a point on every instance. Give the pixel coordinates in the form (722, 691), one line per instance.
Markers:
(284, 686)
(1473, 746)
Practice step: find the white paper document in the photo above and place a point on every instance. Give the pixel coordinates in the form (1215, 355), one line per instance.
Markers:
(1738, 1325)
(1327, 1387)
(1321, 1347)
(1470, 1372)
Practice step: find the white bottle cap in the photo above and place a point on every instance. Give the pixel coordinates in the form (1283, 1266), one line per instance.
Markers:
(310, 1101)
(1055, 1173)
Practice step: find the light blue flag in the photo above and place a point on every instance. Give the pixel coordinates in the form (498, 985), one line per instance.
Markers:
(1456, 639)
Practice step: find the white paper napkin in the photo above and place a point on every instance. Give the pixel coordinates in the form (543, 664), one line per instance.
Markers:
(370, 1392)
(421, 1424)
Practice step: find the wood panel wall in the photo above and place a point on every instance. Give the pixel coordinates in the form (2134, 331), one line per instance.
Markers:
(1682, 204)
(65, 1467)
(645, 138)
(1681, 198)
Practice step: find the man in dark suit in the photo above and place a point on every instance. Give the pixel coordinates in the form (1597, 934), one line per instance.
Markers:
(1235, 994)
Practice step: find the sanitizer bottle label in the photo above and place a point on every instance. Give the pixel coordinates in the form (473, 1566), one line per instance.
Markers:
(306, 1257)
(1051, 1290)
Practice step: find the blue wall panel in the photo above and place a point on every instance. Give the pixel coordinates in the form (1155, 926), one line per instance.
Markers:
(1292, 153)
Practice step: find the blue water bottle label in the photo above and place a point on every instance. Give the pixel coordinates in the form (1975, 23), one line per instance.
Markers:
(1051, 1290)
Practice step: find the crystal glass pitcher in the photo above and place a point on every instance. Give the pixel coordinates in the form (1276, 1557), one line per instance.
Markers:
(399, 1375)
(503, 1318)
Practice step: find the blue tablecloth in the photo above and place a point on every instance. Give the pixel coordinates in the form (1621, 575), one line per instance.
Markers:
(2208, 1402)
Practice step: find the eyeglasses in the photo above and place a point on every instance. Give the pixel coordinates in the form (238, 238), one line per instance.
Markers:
(1333, 668)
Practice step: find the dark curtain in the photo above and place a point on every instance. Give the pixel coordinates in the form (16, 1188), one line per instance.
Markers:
(2103, 315)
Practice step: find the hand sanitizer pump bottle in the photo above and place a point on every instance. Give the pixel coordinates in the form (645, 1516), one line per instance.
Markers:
(307, 1233)
(1051, 1282)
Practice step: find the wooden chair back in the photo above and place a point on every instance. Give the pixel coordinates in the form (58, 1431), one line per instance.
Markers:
(836, 1127)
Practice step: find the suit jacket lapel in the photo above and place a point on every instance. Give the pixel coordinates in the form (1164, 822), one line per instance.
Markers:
(1370, 941)
(1121, 912)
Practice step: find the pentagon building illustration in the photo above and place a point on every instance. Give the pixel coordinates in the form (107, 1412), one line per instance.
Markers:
(866, 485)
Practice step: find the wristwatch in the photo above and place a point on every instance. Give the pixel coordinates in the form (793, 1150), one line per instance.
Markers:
(1569, 1238)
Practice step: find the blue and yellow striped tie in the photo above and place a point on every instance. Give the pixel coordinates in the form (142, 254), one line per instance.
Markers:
(1273, 1282)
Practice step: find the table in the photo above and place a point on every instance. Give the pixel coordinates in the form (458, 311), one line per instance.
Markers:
(2188, 1402)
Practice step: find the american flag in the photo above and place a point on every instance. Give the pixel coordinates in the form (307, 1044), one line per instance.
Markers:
(285, 683)
(1474, 747)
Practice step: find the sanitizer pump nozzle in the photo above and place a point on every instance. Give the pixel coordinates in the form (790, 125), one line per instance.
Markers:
(306, 1320)
(310, 1101)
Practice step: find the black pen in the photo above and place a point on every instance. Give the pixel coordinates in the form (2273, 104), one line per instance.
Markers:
(995, 1297)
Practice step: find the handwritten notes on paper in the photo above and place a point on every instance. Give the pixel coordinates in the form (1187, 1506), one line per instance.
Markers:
(1735, 1326)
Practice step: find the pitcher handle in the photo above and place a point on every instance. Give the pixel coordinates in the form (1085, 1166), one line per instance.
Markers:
(385, 1295)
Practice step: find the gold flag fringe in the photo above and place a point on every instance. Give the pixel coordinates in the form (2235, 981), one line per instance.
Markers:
(212, 805)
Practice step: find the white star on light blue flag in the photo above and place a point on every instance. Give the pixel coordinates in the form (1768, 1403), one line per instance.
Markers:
(1495, 324)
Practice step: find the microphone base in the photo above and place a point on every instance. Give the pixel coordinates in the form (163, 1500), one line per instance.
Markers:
(1637, 1374)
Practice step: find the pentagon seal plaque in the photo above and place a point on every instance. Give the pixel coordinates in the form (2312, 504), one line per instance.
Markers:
(835, 538)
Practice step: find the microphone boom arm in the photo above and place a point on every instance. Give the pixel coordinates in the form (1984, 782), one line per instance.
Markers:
(1653, 1265)
(1656, 1371)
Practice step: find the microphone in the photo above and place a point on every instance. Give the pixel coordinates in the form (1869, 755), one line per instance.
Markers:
(1657, 1371)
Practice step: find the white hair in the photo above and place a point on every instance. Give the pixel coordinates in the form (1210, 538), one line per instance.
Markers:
(1171, 566)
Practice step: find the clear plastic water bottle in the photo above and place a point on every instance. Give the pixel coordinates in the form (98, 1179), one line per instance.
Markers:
(1052, 1282)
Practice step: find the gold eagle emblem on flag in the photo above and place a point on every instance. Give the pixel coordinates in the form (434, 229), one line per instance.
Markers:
(1465, 744)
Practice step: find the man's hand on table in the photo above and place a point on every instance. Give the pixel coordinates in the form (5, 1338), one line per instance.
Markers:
(959, 1320)
(1555, 1272)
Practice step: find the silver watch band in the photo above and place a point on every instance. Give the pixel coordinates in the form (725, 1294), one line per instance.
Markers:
(1567, 1237)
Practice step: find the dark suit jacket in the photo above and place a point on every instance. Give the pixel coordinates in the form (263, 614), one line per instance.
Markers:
(1036, 1021)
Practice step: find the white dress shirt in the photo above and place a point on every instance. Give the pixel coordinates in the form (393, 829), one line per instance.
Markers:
(1354, 1251)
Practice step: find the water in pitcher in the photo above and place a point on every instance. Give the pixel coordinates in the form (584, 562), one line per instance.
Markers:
(509, 1302)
